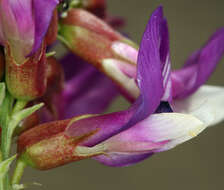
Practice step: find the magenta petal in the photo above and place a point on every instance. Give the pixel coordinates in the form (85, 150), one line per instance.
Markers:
(43, 11)
(121, 160)
(198, 67)
(18, 18)
(17, 26)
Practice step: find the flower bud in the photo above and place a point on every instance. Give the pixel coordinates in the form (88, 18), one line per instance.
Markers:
(88, 45)
(26, 81)
(93, 40)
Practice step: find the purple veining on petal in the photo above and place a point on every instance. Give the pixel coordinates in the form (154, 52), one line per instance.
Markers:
(198, 67)
(43, 11)
(149, 74)
(165, 61)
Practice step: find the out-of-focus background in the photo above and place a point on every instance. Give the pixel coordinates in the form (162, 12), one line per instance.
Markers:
(195, 165)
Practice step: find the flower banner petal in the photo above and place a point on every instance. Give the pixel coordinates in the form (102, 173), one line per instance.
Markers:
(149, 67)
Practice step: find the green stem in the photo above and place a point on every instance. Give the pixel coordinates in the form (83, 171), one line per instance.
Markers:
(20, 166)
(8, 127)
(5, 110)
(8, 124)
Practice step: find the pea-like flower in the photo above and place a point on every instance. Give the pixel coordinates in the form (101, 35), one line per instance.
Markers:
(184, 89)
(122, 138)
(23, 25)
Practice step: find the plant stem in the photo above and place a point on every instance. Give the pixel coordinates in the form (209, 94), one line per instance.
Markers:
(8, 125)
(5, 110)
(20, 166)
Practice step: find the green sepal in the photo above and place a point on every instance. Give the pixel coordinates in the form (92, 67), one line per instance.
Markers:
(4, 166)
(19, 116)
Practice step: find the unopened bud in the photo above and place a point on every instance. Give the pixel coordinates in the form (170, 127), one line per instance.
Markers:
(96, 42)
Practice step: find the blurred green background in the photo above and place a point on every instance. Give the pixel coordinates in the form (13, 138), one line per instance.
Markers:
(195, 165)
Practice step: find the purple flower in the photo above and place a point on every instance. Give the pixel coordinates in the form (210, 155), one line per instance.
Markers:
(23, 25)
(183, 87)
(149, 126)
(133, 135)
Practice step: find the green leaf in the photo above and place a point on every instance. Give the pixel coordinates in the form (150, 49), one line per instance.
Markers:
(2, 92)
(19, 116)
(4, 166)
